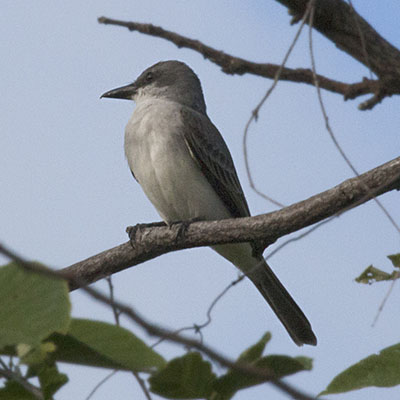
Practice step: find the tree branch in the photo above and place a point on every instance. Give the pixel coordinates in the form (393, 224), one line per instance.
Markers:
(341, 24)
(238, 66)
(337, 21)
(266, 228)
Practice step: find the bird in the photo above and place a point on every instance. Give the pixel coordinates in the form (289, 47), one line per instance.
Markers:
(184, 167)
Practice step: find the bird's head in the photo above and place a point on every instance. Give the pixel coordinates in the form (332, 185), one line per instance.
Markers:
(170, 80)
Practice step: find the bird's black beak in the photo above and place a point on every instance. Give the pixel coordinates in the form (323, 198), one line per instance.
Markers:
(124, 92)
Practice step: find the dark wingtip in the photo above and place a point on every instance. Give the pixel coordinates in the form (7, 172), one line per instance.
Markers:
(310, 339)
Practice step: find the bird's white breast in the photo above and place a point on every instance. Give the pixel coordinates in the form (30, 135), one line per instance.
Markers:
(161, 162)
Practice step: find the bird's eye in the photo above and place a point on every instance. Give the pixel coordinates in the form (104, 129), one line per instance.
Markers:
(149, 77)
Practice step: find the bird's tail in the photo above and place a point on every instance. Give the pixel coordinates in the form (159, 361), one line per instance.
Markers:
(285, 308)
(282, 303)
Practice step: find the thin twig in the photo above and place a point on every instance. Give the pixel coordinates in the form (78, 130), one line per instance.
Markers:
(382, 305)
(142, 385)
(318, 225)
(116, 317)
(362, 39)
(111, 290)
(198, 327)
(4, 365)
(298, 237)
(101, 383)
(117, 313)
(256, 110)
(11, 375)
(216, 300)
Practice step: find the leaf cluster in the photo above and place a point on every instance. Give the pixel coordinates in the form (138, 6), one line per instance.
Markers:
(38, 333)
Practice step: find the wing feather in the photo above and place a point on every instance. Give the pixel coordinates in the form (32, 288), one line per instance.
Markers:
(209, 150)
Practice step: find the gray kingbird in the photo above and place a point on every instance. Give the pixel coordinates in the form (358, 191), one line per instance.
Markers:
(185, 168)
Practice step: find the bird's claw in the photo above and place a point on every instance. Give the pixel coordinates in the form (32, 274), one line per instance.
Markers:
(183, 227)
(133, 230)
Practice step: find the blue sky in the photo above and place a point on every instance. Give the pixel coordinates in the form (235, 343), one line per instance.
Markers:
(68, 193)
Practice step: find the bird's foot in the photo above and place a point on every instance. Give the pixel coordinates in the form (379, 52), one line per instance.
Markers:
(133, 230)
(183, 227)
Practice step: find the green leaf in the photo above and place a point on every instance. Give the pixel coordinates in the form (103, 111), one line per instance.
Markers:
(282, 365)
(227, 385)
(100, 344)
(70, 350)
(32, 306)
(372, 274)
(14, 391)
(187, 377)
(381, 370)
(51, 380)
(255, 351)
(395, 259)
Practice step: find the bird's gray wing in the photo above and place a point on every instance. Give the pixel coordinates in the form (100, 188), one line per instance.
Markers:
(208, 149)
